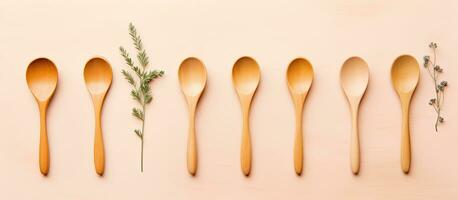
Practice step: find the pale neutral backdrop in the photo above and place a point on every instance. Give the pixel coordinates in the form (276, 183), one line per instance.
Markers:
(219, 32)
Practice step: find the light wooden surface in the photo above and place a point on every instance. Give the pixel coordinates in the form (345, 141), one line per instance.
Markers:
(218, 33)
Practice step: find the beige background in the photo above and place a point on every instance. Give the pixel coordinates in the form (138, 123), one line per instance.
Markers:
(219, 32)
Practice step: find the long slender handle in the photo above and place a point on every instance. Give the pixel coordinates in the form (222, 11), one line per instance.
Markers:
(192, 146)
(245, 153)
(44, 146)
(99, 152)
(298, 140)
(405, 137)
(298, 150)
(354, 146)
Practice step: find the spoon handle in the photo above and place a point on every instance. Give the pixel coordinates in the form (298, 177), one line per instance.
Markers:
(298, 141)
(99, 153)
(354, 146)
(192, 146)
(44, 146)
(245, 153)
(405, 137)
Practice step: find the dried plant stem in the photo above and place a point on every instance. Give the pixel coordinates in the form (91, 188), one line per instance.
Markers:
(439, 86)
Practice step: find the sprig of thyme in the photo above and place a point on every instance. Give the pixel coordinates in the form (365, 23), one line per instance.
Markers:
(439, 86)
(141, 90)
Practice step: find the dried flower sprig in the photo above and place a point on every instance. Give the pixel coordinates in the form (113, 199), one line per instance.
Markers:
(439, 86)
(141, 90)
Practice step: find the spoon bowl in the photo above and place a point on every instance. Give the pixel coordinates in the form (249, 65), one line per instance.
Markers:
(354, 78)
(245, 77)
(41, 76)
(405, 74)
(299, 77)
(193, 78)
(98, 76)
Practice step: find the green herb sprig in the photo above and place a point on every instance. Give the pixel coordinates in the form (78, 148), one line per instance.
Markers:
(141, 90)
(439, 86)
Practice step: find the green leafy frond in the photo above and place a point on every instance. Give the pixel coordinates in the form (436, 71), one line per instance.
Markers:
(148, 98)
(143, 58)
(137, 71)
(136, 95)
(138, 113)
(126, 57)
(141, 90)
(138, 44)
(129, 78)
(138, 132)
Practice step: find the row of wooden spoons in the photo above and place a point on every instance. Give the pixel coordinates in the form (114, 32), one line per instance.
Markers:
(354, 76)
(42, 80)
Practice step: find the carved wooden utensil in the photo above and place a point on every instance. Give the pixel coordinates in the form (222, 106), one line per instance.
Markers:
(405, 74)
(193, 78)
(245, 77)
(354, 78)
(42, 78)
(299, 77)
(98, 76)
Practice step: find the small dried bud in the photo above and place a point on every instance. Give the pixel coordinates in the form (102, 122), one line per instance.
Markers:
(444, 83)
(440, 87)
(437, 68)
(441, 119)
(432, 101)
(426, 58)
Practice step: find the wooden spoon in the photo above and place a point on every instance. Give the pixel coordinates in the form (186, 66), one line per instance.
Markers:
(354, 78)
(299, 77)
(245, 77)
(98, 76)
(193, 78)
(405, 74)
(41, 78)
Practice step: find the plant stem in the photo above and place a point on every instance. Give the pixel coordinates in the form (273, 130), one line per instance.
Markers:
(141, 168)
(143, 131)
(437, 119)
(438, 103)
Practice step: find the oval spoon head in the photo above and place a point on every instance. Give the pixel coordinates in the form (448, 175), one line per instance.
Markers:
(41, 78)
(193, 76)
(98, 76)
(246, 75)
(405, 74)
(299, 76)
(354, 77)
